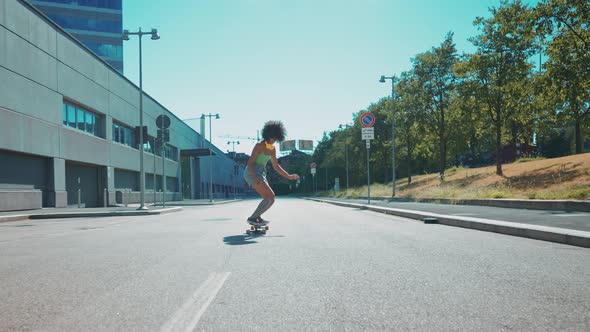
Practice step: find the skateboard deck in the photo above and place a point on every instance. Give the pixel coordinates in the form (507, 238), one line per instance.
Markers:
(257, 229)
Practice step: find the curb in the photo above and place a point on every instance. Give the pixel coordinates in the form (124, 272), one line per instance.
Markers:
(544, 233)
(14, 218)
(531, 204)
(205, 204)
(89, 214)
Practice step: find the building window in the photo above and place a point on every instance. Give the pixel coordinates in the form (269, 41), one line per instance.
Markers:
(123, 135)
(171, 152)
(64, 114)
(77, 117)
(148, 144)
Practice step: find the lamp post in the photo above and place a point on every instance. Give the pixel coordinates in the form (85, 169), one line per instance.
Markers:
(210, 115)
(233, 182)
(382, 80)
(154, 36)
(346, 126)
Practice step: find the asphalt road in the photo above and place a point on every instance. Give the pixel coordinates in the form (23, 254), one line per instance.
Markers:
(320, 267)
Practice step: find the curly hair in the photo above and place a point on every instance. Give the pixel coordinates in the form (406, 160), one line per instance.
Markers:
(274, 129)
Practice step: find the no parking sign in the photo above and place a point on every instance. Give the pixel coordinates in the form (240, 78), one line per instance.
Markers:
(368, 120)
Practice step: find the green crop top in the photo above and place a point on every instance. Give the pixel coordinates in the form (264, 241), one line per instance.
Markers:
(262, 159)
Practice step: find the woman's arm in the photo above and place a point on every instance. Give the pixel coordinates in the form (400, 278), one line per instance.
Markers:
(279, 169)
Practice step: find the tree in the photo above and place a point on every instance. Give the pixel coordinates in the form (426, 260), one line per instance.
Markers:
(499, 66)
(565, 27)
(434, 72)
(408, 107)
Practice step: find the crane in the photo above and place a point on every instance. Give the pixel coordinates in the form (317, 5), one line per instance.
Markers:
(256, 139)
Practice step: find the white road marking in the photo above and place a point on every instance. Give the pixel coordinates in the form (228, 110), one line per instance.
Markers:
(188, 316)
(572, 215)
(464, 214)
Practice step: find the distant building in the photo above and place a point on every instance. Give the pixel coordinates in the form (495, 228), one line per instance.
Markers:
(239, 158)
(98, 24)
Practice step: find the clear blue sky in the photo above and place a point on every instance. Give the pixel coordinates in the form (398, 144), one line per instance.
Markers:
(309, 63)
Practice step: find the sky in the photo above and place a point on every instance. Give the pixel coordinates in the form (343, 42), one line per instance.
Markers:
(308, 63)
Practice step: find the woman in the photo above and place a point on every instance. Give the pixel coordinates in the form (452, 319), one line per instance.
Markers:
(255, 174)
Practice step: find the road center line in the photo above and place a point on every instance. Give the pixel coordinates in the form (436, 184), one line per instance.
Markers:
(188, 316)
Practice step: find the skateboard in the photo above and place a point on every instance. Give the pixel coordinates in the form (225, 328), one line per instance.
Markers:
(257, 229)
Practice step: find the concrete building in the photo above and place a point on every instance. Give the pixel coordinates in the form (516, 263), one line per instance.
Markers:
(98, 24)
(67, 124)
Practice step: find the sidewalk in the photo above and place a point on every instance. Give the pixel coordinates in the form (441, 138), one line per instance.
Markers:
(112, 211)
(199, 202)
(565, 227)
(534, 204)
(55, 213)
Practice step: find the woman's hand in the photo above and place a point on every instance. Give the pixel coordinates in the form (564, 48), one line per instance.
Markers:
(293, 177)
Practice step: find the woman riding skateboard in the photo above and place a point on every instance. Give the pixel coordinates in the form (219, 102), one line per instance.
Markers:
(255, 174)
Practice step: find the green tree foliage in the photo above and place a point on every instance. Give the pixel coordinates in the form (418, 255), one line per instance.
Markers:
(465, 110)
(564, 25)
(434, 72)
(500, 66)
(408, 105)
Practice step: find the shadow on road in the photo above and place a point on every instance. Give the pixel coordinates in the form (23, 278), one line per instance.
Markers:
(238, 240)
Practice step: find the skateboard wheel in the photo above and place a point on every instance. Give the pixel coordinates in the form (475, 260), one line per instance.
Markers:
(252, 228)
(266, 228)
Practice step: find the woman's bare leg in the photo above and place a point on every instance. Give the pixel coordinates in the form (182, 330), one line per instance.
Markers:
(268, 198)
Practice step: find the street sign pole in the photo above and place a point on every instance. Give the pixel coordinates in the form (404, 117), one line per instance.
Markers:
(163, 122)
(367, 120)
(163, 173)
(368, 173)
(313, 170)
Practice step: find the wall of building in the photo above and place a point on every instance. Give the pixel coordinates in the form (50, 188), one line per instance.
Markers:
(40, 67)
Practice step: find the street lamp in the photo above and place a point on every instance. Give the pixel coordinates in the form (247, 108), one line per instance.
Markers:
(155, 36)
(382, 80)
(210, 158)
(345, 126)
(233, 143)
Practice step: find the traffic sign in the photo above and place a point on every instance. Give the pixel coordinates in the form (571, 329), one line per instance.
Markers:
(367, 120)
(313, 168)
(368, 144)
(368, 133)
(164, 135)
(163, 121)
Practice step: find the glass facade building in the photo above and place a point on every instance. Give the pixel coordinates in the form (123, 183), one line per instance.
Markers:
(98, 24)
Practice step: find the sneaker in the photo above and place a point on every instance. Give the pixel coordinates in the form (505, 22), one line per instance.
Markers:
(254, 221)
(263, 222)
(257, 221)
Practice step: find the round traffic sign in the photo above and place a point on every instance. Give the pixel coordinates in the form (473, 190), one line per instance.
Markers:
(368, 120)
(163, 121)
(313, 165)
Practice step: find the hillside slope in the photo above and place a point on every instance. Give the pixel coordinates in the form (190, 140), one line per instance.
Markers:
(556, 178)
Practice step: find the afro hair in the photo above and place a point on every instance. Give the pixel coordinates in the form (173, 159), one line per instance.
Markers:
(274, 129)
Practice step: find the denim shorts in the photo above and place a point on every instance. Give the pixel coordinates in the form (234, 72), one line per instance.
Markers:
(260, 173)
